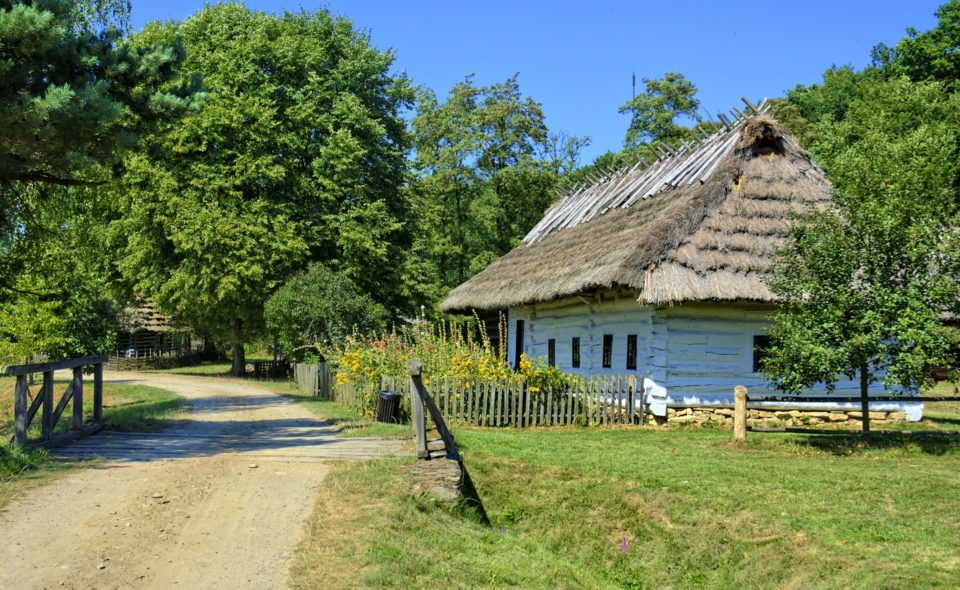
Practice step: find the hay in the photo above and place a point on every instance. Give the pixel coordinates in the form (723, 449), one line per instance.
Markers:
(711, 241)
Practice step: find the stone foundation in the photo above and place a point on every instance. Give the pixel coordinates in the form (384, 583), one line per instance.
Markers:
(773, 417)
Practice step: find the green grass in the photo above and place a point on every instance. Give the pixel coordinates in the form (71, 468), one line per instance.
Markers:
(346, 420)
(783, 511)
(125, 407)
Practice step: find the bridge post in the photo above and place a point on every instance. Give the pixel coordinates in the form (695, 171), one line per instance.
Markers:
(415, 368)
(77, 398)
(98, 392)
(20, 410)
(47, 418)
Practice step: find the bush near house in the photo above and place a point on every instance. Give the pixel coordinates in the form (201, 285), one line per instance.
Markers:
(445, 350)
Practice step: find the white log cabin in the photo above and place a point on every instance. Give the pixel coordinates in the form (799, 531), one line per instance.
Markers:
(658, 271)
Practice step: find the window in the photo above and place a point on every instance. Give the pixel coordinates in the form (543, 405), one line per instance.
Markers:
(552, 352)
(575, 352)
(518, 347)
(607, 351)
(761, 344)
(632, 352)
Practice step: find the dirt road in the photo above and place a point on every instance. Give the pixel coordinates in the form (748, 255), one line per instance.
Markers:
(216, 502)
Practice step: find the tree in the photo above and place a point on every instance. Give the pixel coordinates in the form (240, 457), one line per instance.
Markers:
(486, 169)
(319, 306)
(930, 55)
(73, 93)
(654, 111)
(297, 153)
(865, 284)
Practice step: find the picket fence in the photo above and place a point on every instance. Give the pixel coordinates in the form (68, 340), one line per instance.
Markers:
(503, 402)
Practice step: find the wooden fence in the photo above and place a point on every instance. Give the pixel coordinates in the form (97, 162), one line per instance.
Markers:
(511, 402)
(25, 410)
(315, 378)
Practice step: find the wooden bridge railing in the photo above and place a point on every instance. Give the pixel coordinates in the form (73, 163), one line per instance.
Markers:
(25, 411)
(420, 398)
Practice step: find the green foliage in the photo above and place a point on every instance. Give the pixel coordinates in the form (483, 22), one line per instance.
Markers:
(323, 307)
(296, 154)
(930, 55)
(865, 283)
(73, 92)
(486, 170)
(654, 111)
(57, 298)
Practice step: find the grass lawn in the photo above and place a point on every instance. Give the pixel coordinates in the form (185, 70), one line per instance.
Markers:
(125, 407)
(645, 508)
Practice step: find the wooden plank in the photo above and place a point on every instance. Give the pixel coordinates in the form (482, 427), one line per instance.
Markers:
(53, 366)
(34, 405)
(62, 404)
(550, 420)
(491, 392)
(20, 410)
(526, 411)
(639, 394)
(47, 395)
(496, 402)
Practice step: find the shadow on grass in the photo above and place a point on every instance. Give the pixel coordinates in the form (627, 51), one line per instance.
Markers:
(143, 415)
(471, 499)
(929, 442)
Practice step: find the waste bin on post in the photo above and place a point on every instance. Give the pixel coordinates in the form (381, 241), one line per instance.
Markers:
(388, 407)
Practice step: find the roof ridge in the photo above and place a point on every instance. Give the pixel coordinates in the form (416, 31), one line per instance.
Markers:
(625, 186)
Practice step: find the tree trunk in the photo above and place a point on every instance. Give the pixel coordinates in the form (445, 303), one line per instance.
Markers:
(239, 367)
(864, 401)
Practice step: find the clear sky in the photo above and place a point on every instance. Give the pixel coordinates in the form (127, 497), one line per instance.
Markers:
(576, 58)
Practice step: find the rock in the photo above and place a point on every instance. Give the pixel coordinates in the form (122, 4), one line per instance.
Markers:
(898, 415)
(838, 417)
(723, 411)
(157, 495)
(783, 415)
(252, 466)
(683, 419)
(101, 566)
(818, 415)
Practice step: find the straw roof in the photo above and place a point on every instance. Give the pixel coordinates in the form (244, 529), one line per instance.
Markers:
(144, 317)
(702, 225)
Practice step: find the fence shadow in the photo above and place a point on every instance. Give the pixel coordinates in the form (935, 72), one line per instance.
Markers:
(842, 444)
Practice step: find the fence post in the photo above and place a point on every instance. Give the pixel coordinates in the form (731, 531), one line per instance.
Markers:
(97, 392)
(740, 413)
(415, 368)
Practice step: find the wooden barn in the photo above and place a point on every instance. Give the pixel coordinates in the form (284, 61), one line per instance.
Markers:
(659, 271)
(148, 339)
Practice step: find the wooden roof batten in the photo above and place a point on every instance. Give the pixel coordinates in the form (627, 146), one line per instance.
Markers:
(686, 164)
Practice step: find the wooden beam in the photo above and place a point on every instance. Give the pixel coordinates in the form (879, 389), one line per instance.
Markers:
(53, 366)
(98, 392)
(750, 105)
(62, 404)
(77, 398)
(47, 419)
(20, 410)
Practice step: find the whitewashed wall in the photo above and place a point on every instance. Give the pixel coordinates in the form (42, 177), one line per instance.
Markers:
(590, 322)
(699, 352)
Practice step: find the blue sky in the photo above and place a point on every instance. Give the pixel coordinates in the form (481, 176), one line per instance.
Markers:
(576, 58)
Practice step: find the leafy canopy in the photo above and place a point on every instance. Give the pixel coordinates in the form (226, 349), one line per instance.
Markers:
(865, 283)
(319, 306)
(297, 153)
(653, 112)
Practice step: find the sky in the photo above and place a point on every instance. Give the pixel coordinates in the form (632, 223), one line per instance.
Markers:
(577, 58)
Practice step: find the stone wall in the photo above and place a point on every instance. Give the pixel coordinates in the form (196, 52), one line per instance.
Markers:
(774, 417)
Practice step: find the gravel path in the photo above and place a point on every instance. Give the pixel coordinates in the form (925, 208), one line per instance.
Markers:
(218, 501)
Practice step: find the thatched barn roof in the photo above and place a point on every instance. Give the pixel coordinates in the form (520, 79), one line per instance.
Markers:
(144, 317)
(701, 225)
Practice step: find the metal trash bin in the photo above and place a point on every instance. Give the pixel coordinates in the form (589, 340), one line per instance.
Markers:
(388, 407)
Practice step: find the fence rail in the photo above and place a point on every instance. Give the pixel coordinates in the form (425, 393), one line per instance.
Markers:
(26, 410)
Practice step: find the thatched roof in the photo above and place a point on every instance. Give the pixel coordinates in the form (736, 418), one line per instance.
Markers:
(702, 225)
(144, 317)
